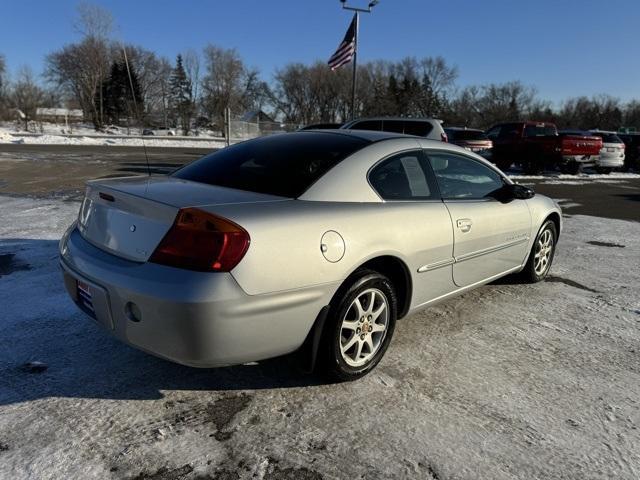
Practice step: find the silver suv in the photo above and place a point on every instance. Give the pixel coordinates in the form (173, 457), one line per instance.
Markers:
(430, 128)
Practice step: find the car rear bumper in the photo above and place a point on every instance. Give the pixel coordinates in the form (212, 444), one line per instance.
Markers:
(585, 160)
(199, 319)
(610, 160)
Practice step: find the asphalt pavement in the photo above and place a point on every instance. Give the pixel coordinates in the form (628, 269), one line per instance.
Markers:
(59, 171)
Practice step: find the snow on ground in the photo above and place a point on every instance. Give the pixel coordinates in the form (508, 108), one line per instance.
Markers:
(508, 381)
(578, 179)
(88, 138)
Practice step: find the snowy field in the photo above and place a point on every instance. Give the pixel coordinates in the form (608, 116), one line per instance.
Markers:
(509, 381)
(86, 136)
(553, 178)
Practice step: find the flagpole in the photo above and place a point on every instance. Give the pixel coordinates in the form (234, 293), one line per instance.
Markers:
(357, 11)
(355, 68)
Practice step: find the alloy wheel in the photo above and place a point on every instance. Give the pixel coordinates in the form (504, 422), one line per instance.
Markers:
(364, 327)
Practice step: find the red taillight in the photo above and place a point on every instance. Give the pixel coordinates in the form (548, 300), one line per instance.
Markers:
(201, 241)
(444, 137)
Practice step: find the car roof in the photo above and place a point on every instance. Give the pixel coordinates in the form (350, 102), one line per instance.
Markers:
(404, 119)
(370, 135)
(464, 129)
(609, 132)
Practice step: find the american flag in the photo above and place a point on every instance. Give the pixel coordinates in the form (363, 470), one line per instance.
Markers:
(346, 49)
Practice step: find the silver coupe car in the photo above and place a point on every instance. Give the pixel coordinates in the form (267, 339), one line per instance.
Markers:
(313, 241)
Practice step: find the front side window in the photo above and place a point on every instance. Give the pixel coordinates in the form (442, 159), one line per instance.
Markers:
(462, 178)
(403, 177)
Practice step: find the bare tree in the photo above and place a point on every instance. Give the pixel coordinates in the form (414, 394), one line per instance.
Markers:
(153, 75)
(3, 86)
(93, 21)
(26, 95)
(601, 111)
(80, 68)
(192, 67)
(441, 76)
(3, 69)
(228, 82)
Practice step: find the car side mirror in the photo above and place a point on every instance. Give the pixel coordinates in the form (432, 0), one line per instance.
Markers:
(513, 191)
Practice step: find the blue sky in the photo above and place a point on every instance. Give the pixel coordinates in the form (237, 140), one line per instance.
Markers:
(563, 47)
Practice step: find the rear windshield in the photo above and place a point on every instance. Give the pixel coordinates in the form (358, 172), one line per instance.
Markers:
(285, 165)
(466, 135)
(539, 131)
(420, 129)
(607, 137)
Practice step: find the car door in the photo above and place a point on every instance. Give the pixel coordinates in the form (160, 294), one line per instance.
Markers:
(490, 237)
(406, 184)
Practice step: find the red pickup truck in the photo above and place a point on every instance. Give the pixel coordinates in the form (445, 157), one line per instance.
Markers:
(536, 145)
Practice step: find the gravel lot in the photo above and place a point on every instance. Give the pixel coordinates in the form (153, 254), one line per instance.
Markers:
(509, 381)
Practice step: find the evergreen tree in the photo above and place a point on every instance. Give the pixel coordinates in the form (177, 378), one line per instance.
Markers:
(181, 96)
(117, 96)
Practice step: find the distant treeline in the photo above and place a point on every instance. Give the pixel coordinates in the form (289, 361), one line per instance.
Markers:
(114, 83)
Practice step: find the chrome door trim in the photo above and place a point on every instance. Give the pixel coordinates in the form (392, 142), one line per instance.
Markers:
(450, 261)
(436, 265)
(485, 251)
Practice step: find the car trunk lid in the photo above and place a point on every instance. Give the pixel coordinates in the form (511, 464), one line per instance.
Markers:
(129, 217)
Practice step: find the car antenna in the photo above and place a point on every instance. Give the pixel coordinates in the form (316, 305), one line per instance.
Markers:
(135, 106)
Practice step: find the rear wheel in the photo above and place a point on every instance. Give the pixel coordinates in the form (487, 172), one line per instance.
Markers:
(359, 327)
(603, 170)
(542, 253)
(572, 167)
(532, 167)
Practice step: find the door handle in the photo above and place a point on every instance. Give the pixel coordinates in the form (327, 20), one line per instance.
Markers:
(464, 224)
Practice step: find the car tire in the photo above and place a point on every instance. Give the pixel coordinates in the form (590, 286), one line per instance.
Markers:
(603, 170)
(532, 167)
(542, 253)
(572, 168)
(346, 351)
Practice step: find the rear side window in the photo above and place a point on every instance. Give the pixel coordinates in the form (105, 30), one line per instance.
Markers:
(393, 126)
(375, 125)
(420, 129)
(403, 177)
(284, 165)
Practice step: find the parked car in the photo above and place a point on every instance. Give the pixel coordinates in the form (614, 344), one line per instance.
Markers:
(321, 126)
(612, 152)
(536, 145)
(471, 139)
(430, 128)
(632, 150)
(315, 240)
(147, 131)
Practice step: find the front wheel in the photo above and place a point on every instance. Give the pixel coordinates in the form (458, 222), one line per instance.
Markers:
(542, 253)
(359, 328)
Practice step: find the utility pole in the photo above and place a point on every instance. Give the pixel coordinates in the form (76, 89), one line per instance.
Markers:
(354, 78)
